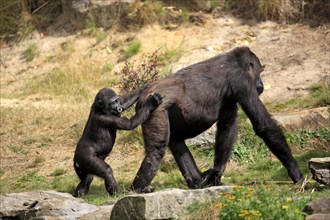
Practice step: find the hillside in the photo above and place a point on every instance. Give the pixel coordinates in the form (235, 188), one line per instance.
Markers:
(48, 83)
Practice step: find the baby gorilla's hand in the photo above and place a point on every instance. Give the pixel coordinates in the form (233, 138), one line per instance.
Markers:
(155, 100)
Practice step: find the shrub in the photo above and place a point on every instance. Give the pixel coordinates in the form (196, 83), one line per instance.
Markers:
(134, 77)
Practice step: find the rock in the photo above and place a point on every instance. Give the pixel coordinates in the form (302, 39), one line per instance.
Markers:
(303, 119)
(318, 209)
(101, 214)
(100, 13)
(290, 121)
(193, 5)
(44, 205)
(167, 204)
(318, 216)
(320, 168)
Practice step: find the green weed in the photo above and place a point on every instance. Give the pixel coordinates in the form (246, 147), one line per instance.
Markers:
(309, 139)
(268, 9)
(18, 150)
(319, 95)
(171, 55)
(132, 49)
(67, 46)
(146, 13)
(96, 32)
(58, 172)
(2, 171)
(31, 52)
(252, 203)
(38, 161)
(258, 203)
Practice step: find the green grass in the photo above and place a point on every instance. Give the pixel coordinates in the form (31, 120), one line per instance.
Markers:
(80, 83)
(319, 95)
(96, 32)
(58, 172)
(132, 49)
(31, 52)
(170, 55)
(260, 202)
(38, 161)
(18, 150)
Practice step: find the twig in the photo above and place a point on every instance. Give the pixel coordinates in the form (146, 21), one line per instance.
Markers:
(46, 3)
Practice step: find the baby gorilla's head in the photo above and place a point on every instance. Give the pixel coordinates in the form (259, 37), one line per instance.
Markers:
(107, 102)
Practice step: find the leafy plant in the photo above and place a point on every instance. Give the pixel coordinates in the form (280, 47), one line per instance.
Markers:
(134, 77)
(259, 203)
(247, 203)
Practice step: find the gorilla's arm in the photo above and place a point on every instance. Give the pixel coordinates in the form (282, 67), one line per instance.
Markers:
(140, 116)
(129, 99)
(267, 129)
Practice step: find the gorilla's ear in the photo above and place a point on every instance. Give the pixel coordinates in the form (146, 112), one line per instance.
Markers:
(99, 106)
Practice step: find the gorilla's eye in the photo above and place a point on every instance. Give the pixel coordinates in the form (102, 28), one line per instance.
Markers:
(115, 100)
(251, 64)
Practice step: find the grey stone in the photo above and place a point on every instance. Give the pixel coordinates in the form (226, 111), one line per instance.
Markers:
(303, 119)
(318, 216)
(320, 168)
(43, 205)
(318, 209)
(167, 204)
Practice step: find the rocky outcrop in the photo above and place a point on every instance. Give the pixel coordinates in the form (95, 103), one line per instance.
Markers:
(320, 168)
(48, 205)
(290, 121)
(303, 119)
(318, 209)
(167, 204)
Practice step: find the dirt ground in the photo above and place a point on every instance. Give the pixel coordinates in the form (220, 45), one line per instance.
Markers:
(295, 56)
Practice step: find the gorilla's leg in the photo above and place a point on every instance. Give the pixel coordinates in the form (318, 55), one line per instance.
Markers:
(100, 168)
(110, 182)
(187, 165)
(225, 140)
(156, 135)
(85, 181)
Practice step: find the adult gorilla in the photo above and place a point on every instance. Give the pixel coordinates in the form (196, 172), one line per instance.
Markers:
(195, 98)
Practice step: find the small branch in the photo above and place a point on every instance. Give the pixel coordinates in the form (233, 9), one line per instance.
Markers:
(46, 3)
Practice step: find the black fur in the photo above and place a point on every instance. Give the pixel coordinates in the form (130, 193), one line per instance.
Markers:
(99, 136)
(197, 97)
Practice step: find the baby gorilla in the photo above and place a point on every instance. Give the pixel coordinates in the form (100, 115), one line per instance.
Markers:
(99, 135)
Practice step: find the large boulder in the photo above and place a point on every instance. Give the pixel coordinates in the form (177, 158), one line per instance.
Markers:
(167, 204)
(100, 13)
(320, 168)
(46, 205)
(318, 209)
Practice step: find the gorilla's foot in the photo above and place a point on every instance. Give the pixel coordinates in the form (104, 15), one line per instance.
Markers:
(80, 192)
(147, 189)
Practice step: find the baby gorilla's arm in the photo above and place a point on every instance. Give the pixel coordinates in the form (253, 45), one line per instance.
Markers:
(140, 116)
